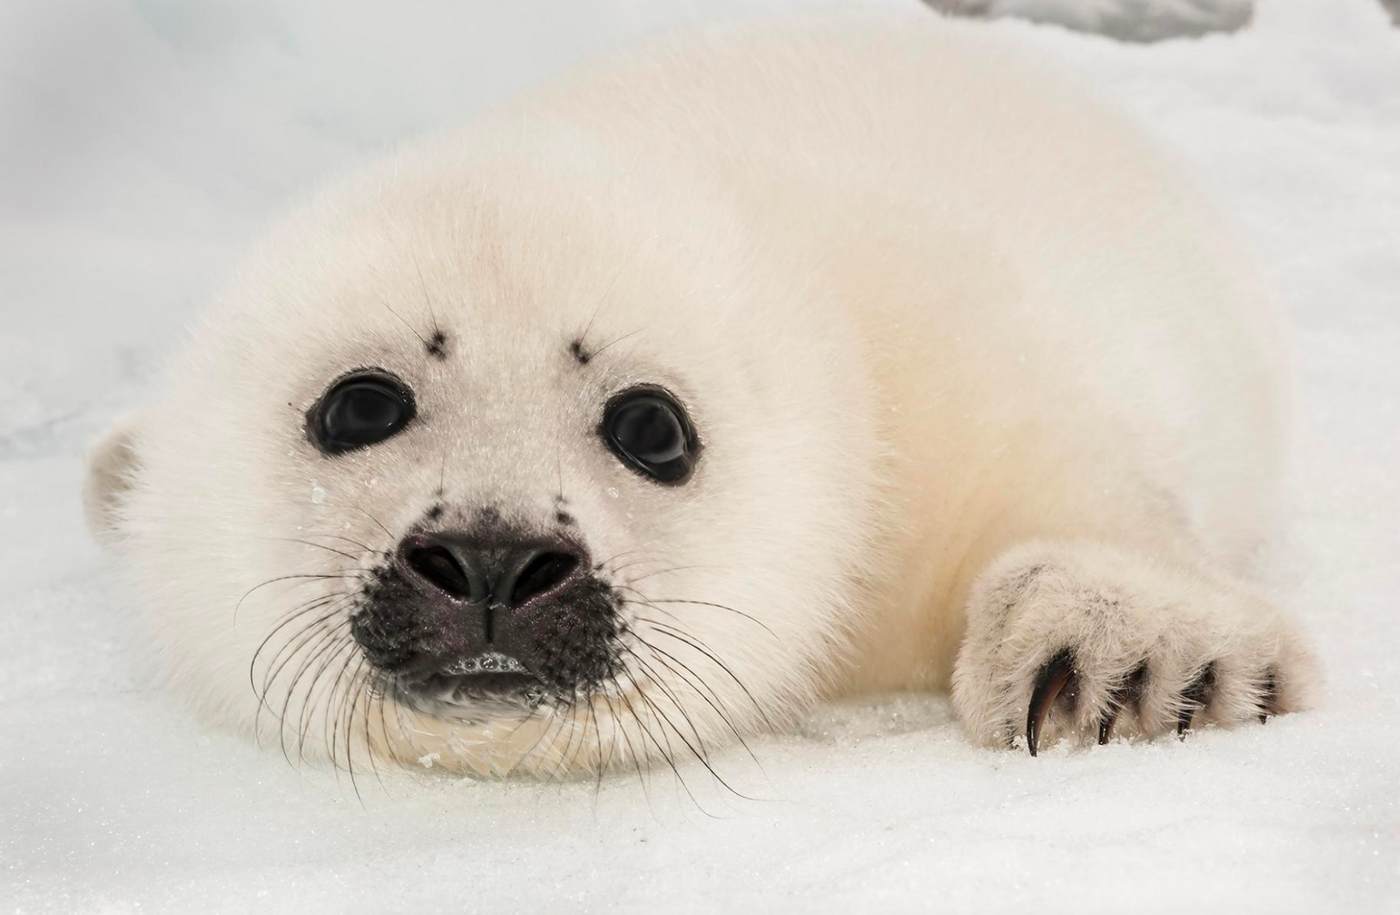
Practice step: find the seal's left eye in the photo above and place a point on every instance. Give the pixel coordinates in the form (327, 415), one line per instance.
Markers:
(359, 410)
(650, 432)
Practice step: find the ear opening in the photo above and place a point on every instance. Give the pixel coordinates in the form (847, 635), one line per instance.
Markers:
(112, 465)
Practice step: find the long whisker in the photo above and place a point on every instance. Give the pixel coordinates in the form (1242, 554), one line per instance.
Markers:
(287, 619)
(343, 645)
(318, 546)
(271, 581)
(650, 674)
(324, 642)
(573, 726)
(621, 728)
(622, 697)
(613, 342)
(667, 571)
(377, 522)
(312, 630)
(368, 691)
(672, 632)
(656, 601)
(332, 606)
(599, 765)
(413, 330)
(363, 546)
(666, 659)
(665, 752)
(697, 751)
(355, 693)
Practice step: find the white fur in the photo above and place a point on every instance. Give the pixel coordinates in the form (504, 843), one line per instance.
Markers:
(928, 303)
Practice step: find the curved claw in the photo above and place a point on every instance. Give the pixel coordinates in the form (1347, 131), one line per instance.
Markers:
(1106, 724)
(1268, 698)
(1129, 692)
(1196, 696)
(1052, 680)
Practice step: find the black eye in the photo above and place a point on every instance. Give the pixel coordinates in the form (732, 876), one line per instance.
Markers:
(359, 410)
(650, 432)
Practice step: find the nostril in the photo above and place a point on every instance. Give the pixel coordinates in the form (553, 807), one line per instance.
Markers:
(441, 568)
(542, 573)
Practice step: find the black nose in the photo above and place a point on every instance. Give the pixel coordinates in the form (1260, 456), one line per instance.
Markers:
(500, 573)
(488, 611)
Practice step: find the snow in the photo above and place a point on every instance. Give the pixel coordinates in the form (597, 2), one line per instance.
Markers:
(142, 143)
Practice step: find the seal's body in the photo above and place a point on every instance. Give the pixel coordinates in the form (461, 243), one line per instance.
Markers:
(776, 363)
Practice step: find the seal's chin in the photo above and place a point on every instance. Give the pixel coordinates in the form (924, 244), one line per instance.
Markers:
(490, 678)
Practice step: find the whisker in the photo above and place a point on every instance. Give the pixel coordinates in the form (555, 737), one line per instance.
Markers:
(349, 719)
(323, 643)
(721, 712)
(353, 542)
(699, 754)
(599, 766)
(368, 692)
(382, 684)
(559, 767)
(691, 640)
(380, 524)
(271, 581)
(666, 691)
(427, 299)
(413, 330)
(293, 644)
(666, 753)
(621, 729)
(343, 645)
(558, 722)
(655, 601)
(606, 346)
(318, 546)
(668, 571)
(274, 669)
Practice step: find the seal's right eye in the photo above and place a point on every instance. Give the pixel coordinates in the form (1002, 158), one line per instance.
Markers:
(359, 410)
(649, 431)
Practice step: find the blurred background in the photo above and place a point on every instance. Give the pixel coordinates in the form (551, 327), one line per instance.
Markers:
(144, 142)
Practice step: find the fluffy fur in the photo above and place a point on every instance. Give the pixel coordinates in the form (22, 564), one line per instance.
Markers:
(971, 361)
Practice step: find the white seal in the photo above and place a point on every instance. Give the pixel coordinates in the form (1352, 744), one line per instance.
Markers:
(769, 365)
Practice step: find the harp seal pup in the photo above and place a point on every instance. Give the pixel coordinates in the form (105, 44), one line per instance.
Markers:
(771, 364)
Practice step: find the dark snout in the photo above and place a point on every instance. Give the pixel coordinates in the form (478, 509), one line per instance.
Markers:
(496, 609)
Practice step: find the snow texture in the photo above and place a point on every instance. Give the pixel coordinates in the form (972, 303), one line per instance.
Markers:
(143, 142)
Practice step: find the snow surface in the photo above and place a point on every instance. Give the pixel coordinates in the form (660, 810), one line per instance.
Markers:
(142, 143)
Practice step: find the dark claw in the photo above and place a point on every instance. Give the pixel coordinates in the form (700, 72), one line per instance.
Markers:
(1054, 677)
(1106, 723)
(1268, 700)
(1196, 696)
(1129, 693)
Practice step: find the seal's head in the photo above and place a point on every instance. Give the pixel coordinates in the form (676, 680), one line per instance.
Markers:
(532, 459)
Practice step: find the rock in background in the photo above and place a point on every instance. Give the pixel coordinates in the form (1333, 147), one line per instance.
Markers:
(1128, 20)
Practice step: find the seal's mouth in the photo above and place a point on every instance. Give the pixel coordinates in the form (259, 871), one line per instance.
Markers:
(464, 681)
(488, 662)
